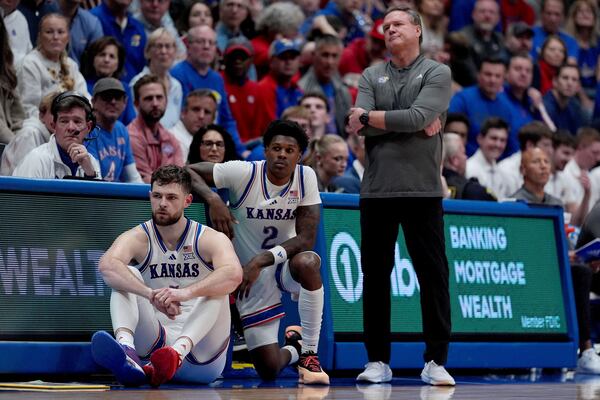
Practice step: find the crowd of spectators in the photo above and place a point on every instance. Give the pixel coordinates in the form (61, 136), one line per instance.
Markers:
(161, 72)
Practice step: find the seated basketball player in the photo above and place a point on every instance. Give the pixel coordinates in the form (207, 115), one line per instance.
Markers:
(275, 208)
(171, 277)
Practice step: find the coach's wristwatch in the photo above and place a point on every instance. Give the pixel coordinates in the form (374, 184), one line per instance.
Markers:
(364, 118)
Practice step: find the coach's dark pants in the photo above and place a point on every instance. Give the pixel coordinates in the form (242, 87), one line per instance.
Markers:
(423, 226)
(581, 276)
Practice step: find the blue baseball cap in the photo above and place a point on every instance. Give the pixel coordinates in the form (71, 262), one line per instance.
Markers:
(280, 46)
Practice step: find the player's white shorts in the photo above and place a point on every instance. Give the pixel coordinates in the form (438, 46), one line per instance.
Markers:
(261, 310)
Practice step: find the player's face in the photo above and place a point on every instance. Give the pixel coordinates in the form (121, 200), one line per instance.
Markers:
(282, 155)
(168, 202)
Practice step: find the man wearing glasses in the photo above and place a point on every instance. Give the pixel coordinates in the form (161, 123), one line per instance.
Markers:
(110, 144)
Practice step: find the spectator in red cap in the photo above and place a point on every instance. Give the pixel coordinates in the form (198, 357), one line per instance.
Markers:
(277, 90)
(362, 52)
(241, 91)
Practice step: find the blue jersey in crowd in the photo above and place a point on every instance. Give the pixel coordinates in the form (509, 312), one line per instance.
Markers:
(133, 38)
(112, 150)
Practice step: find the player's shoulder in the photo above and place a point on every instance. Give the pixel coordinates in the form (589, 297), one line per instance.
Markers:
(139, 233)
(211, 234)
(235, 166)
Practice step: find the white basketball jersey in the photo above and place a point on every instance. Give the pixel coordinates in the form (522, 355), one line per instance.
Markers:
(266, 213)
(179, 268)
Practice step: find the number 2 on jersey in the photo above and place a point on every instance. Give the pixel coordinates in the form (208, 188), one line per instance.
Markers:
(271, 238)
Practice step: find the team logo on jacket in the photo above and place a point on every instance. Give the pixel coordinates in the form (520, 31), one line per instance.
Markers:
(383, 79)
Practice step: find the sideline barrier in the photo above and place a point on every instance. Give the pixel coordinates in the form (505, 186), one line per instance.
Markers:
(511, 295)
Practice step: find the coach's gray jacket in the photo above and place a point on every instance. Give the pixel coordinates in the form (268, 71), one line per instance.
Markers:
(403, 161)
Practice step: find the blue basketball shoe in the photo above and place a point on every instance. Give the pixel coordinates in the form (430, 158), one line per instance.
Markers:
(120, 359)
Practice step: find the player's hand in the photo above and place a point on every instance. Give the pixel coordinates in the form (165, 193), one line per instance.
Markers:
(434, 128)
(168, 300)
(221, 218)
(251, 273)
(171, 311)
(595, 265)
(168, 295)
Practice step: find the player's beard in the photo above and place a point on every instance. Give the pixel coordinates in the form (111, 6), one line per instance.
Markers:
(166, 221)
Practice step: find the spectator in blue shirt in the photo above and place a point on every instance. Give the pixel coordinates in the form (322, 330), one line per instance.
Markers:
(583, 24)
(154, 14)
(84, 27)
(110, 144)
(482, 101)
(231, 15)
(562, 103)
(113, 15)
(195, 72)
(551, 18)
(525, 101)
(349, 12)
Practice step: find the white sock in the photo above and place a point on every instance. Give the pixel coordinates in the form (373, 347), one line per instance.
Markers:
(124, 336)
(310, 308)
(183, 345)
(294, 354)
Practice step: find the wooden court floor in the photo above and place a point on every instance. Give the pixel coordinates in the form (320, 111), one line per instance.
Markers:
(495, 387)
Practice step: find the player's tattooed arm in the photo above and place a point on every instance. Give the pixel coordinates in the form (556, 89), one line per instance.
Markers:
(307, 223)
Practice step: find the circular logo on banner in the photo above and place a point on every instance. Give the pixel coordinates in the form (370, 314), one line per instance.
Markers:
(344, 262)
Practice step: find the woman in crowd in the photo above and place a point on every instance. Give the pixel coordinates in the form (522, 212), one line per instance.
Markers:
(582, 24)
(160, 52)
(435, 24)
(196, 14)
(104, 58)
(212, 143)
(552, 55)
(11, 110)
(329, 158)
(47, 67)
